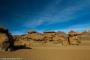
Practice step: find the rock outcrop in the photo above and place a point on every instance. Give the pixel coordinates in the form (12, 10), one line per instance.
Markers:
(85, 36)
(48, 36)
(61, 39)
(35, 36)
(22, 40)
(6, 40)
(56, 37)
(73, 38)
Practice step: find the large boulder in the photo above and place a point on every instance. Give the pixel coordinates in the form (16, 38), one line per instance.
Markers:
(6, 40)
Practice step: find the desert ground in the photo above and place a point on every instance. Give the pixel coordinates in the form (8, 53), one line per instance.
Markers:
(49, 53)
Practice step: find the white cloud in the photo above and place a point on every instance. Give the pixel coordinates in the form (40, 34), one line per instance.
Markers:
(63, 15)
(33, 23)
(17, 32)
(52, 15)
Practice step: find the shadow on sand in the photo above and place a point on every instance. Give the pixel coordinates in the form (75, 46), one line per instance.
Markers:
(20, 47)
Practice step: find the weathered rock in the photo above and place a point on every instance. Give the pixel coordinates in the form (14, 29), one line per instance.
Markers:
(6, 40)
(60, 39)
(48, 36)
(73, 38)
(85, 36)
(22, 40)
(35, 36)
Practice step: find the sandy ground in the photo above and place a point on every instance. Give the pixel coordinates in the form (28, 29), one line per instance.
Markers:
(49, 53)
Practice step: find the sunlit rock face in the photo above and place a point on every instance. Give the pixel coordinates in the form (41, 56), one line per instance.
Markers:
(56, 37)
(73, 38)
(6, 40)
(60, 39)
(48, 36)
(36, 36)
(85, 36)
(22, 40)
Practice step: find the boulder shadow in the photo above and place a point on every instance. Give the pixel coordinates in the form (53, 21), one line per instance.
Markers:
(20, 47)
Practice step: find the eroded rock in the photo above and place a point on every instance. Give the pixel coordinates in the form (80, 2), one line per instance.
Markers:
(73, 38)
(6, 40)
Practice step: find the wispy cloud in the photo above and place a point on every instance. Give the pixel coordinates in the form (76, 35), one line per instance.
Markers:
(17, 32)
(53, 15)
(44, 15)
(33, 23)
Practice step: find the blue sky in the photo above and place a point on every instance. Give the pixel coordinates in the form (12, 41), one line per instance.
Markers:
(20, 16)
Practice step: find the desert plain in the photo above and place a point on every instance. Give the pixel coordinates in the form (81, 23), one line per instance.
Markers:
(49, 53)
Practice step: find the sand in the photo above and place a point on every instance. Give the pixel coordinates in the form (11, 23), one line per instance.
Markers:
(49, 53)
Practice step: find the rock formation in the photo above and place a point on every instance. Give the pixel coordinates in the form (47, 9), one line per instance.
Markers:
(35, 36)
(56, 37)
(73, 38)
(85, 36)
(22, 40)
(60, 39)
(6, 40)
(48, 36)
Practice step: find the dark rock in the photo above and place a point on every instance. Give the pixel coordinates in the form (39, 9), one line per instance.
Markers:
(6, 40)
